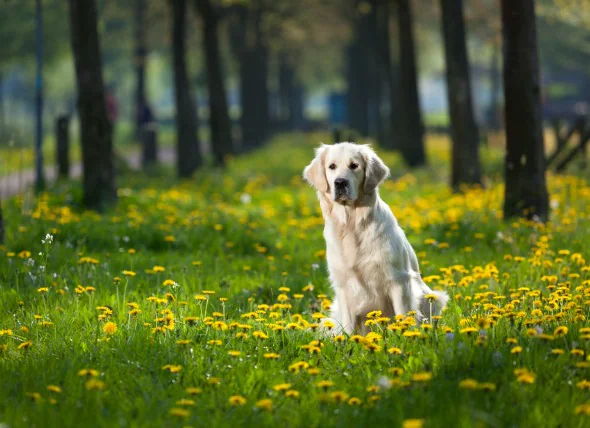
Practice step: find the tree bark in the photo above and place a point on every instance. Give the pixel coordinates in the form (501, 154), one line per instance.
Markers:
(394, 79)
(411, 126)
(1, 225)
(465, 156)
(385, 70)
(525, 189)
(95, 128)
(219, 122)
(253, 56)
(188, 155)
(494, 115)
(358, 76)
(290, 97)
(140, 57)
(62, 146)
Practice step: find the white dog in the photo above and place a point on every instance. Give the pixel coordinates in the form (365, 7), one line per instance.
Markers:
(372, 265)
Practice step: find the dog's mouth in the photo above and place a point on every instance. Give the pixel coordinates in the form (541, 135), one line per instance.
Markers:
(341, 196)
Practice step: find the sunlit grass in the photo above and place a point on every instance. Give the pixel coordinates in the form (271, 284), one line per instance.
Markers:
(198, 303)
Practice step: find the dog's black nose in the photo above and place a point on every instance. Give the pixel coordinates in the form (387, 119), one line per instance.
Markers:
(340, 183)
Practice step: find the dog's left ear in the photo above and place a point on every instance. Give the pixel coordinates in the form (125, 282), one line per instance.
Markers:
(314, 173)
(375, 171)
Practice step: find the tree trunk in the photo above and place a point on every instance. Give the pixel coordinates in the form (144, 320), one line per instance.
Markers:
(140, 57)
(285, 92)
(290, 96)
(494, 114)
(221, 138)
(2, 109)
(297, 105)
(95, 128)
(525, 188)
(188, 155)
(62, 146)
(384, 66)
(465, 157)
(411, 126)
(394, 79)
(253, 58)
(1, 225)
(358, 77)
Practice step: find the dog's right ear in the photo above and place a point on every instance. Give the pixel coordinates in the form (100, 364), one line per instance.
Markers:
(314, 173)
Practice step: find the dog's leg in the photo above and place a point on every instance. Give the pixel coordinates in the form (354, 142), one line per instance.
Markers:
(400, 294)
(340, 312)
(401, 304)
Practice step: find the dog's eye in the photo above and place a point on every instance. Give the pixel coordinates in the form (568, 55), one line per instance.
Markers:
(332, 166)
(354, 165)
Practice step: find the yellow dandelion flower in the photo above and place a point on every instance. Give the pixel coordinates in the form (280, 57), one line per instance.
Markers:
(468, 384)
(179, 412)
(88, 372)
(413, 423)
(172, 368)
(237, 400)
(25, 345)
(191, 390)
(110, 328)
(282, 387)
(354, 401)
(339, 396)
(265, 404)
(95, 385)
(271, 356)
(324, 384)
(421, 377)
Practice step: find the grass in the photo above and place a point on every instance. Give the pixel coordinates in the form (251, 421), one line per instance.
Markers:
(197, 304)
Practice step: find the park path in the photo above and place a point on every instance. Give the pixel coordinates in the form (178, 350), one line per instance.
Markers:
(18, 182)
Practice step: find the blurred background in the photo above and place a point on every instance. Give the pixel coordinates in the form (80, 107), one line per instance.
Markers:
(225, 76)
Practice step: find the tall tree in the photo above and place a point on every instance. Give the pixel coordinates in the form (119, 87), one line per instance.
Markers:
(465, 157)
(290, 95)
(251, 50)
(188, 155)
(411, 135)
(140, 57)
(391, 57)
(1, 225)
(219, 122)
(525, 189)
(358, 75)
(95, 128)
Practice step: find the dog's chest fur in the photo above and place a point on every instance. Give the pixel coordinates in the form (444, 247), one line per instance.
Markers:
(359, 253)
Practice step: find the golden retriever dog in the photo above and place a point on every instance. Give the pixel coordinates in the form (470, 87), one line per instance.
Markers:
(372, 265)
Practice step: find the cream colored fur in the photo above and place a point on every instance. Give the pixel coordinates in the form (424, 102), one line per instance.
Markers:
(372, 265)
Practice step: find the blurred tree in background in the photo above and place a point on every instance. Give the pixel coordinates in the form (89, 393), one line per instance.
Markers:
(96, 128)
(222, 76)
(526, 189)
(465, 158)
(188, 151)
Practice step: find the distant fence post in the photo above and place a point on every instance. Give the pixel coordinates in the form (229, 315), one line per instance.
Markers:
(149, 139)
(62, 146)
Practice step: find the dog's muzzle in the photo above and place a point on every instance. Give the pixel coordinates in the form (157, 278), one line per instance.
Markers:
(340, 188)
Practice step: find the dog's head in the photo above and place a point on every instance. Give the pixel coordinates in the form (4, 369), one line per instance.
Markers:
(345, 172)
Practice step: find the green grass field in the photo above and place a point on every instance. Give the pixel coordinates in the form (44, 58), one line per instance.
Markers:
(198, 304)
